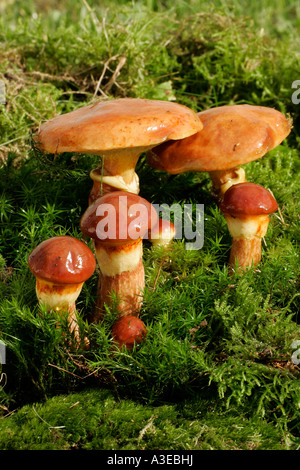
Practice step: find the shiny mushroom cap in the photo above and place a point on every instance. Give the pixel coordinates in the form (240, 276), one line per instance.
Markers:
(118, 217)
(129, 330)
(117, 124)
(248, 199)
(62, 260)
(231, 136)
(163, 232)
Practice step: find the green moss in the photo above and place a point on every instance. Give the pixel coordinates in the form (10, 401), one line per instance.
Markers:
(93, 420)
(215, 370)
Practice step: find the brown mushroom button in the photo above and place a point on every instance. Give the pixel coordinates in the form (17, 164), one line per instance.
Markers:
(162, 233)
(248, 199)
(62, 259)
(129, 330)
(246, 207)
(61, 265)
(119, 130)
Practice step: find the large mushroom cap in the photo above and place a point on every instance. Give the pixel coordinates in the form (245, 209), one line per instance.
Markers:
(118, 217)
(231, 136)
(248, 199)
(62, 260)
(117, 124)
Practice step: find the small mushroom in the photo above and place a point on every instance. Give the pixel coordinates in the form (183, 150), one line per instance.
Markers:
(118, 222)
(61, 265)
(162, 233)
(128, 330)
(231, 136)
(246, 207)
(119, 131)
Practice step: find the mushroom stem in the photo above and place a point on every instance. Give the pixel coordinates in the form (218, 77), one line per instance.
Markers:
(245, 252)
(104, 183)
(116, 172)
(59, 298)
(61, 265)
(118, 222)
(246, 207)
(247, 233)
(122, 273)
(223, 179)
(121, 163)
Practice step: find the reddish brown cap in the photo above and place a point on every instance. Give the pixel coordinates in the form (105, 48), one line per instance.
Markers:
(231, 136)
(248, 199)
(118, 217)
(117, 124)
(62, 260)
(129, 330)
(163, 229)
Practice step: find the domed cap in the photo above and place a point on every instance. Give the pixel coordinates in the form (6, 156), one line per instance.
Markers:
(117, 124)
(163, 231)
(118, 217)
(248, 199)
(62, 260)
(232, 135)
(129, 330)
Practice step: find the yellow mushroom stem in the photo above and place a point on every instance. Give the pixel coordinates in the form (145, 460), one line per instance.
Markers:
(61, 298)
(121, 273)
(223, 179)
(247, 233)
(116, 172)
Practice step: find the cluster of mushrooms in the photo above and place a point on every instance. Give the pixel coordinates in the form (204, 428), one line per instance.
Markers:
(175, 140)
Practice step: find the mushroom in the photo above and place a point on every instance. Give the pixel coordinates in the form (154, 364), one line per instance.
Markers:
(162, 233)
(231, 136)
(128, 330)
(61, 265)
(117, 222)
(119, 131)
(246, 207)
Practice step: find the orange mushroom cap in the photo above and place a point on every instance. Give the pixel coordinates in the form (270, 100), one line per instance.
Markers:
(231, 136)
(117, 124)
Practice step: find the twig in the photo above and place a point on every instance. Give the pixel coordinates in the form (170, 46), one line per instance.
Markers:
(49, 425)
(112, 80)
(279, 211)
(115, 75)
(105, 67)
(94, 17)
(74, 404)
(148, 426)
(64, 370)
(158, 273)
